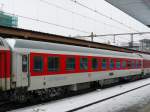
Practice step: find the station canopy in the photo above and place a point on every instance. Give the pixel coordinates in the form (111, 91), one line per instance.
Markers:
(138, 9)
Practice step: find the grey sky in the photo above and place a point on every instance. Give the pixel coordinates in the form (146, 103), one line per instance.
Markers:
(52, 12)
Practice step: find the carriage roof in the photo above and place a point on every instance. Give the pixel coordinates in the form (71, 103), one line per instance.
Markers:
(29, 44)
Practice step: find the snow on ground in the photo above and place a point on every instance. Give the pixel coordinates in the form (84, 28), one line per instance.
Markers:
(133, 101)
(112, 105)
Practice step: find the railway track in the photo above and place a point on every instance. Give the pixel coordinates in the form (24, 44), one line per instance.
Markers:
(4, 103)
(8, 106)
(5, 106)
(105, 99)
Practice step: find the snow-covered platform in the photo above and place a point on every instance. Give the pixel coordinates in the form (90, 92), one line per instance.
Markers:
(136, 99)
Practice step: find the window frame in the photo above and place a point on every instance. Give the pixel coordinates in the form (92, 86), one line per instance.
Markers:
(118, 61)
(140, 64)
(42, 66)
(97, 61)
(104, 65)
(74, 68)
(132, 64)
(137, 63)
(87, 63)
(124, 64)
(110, 63)
(58, 66)
(129, 64)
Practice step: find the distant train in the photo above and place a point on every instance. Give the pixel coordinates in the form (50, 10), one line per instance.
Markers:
(33, 68)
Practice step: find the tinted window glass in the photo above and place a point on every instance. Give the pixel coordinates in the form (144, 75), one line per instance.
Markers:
(53, 63)
(83, 63)
(104, 64)
(118, 64)
(133, 64)
(129, 64)
(94, 63)
(137, 64)
(124, 64)
(111, 64)
(38, 63)
(70, 63)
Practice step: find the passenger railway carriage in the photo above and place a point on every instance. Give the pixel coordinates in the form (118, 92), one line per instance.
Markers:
(36, 68)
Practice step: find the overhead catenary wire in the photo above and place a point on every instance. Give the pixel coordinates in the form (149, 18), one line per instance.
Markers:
(50, 23)
(73, 13)
(101, 37)
(38, 20)
(79, 14)
(58, 25)
(87, 17)
(104, 15)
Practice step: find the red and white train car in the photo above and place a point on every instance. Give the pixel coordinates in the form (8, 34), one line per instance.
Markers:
(146, 63)
(38, 66)
(43, 65)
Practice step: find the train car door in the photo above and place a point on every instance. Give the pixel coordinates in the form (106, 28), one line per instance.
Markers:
(25, 70)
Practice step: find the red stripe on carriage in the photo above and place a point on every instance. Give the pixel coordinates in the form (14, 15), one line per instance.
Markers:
(5, 63)
(77, 69)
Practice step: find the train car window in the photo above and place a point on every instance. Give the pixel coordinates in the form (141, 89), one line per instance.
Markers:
(118, 64)
(24, 63)
(38, 63)
(137, 64)
(53, 64)
(133, 64)
(70, 63)
(83, 63)
(129, 64)
(111, 64)
(124, 64)
(94, 64)
(104, 65)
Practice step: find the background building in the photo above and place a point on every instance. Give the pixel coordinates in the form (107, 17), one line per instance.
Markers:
(145, 45)
(136, 46)
(8, 20)
(142, 45)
